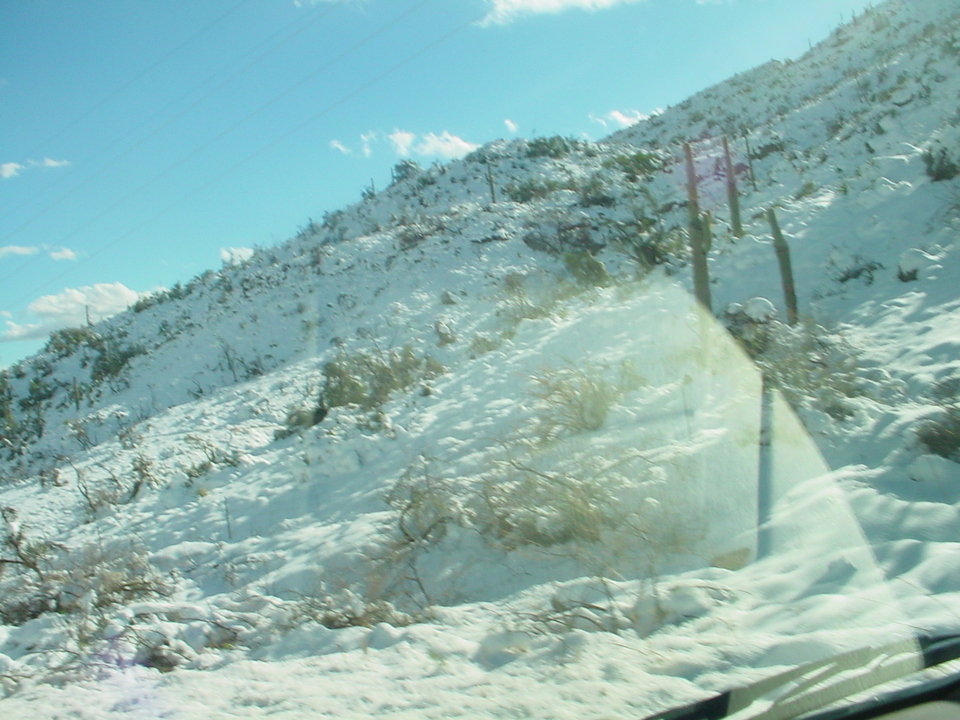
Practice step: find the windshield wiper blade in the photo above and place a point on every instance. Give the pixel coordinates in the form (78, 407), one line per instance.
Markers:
(817, 684)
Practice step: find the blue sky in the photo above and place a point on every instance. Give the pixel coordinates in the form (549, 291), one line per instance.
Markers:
(141, 141)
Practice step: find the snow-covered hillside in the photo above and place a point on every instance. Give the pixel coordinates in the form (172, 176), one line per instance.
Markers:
(468, 448)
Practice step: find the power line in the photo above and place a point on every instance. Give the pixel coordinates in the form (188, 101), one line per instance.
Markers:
(263, 148)
(136, 78)
(113, 160)
(189, 156)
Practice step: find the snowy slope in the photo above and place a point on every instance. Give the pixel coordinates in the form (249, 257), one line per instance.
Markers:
(467, 448)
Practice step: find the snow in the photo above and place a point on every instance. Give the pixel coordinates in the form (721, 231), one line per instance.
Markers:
(595, 509)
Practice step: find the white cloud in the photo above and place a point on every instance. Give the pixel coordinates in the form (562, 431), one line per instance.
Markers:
(62, 254)
(17, 250)
(511, 125)
(366, 142)
(337, 145)
(401, 141)
(622, 118)
(405, 143)
(49, 163)
(234, 256)
(69, 309)
(445, 145)
(504, 11)
(10, 169)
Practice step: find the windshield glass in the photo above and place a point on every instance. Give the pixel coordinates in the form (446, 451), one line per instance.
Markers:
(556, 427)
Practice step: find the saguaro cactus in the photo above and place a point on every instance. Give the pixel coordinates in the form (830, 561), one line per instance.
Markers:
(733, 197)
(696, 228)
(493, 191)
(786, 269)
(753, 177)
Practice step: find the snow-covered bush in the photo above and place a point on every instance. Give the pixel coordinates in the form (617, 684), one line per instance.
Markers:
(300, 418)
(405, 170)
(594, 192)
(112, 361)
(536, 188)
(585, 268)
(554, 147)
(939, 164)
(64, 343)
(101, 493)
(527, 506)
(367, 378)
(809, 365)
(50, 577)
(940, 434)
(213, 455)
(424, 503)
(345, 609)
(635, 165)
(520, 304)
(572, 400)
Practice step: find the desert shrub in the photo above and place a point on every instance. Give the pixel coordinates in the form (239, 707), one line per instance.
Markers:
(347, 609)
(941, 434)
(483, 343)
(145, 302)
(528, 506)
(593, 192)
(759, 153)
(411, 235)
(49, 576)
(859, 268)
(649, 245)
(571, 400)
(647, 237)
(100, 493)
(177, 292)
(806, 190)
(809, 365)
(65, 342)
(586, 269)
(16, 435)
(939, 164)
(535, 189)
(300, 418)
(424, 503)
(526, 299)
(38, 392)
(19, 550)
(213, 456)
(404, 170)
(99, 577)
(112, 361)
(143, 470)
(635, 165)
(581, 504)
(367, 378)
(553, 147)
